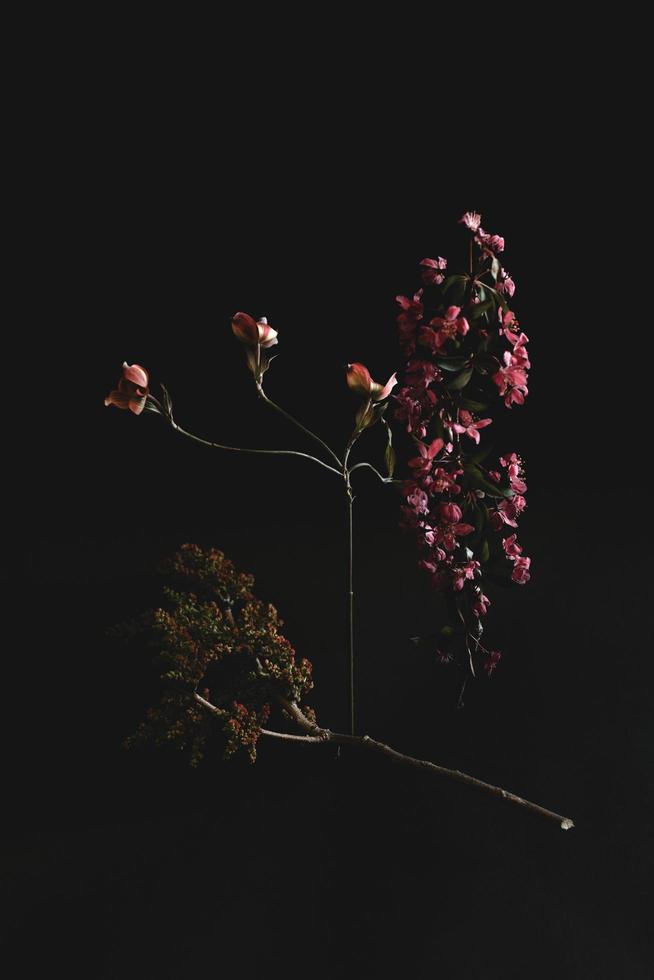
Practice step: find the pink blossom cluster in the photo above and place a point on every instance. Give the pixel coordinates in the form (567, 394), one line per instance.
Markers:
(463, 347)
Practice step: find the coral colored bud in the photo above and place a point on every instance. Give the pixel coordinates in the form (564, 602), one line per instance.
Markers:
(252, 332)
(450, 513)
(132, 390)
(361, 383)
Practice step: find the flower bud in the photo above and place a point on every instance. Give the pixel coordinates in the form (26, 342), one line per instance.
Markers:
(450, 513)
(360, 382)
(252, 332)
(132, 390)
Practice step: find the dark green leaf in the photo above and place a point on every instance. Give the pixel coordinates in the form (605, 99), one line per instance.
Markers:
(451, 363)
(486, 363)
(478, 479)
(481, 454)
(389, 455)
(479, 310)
(473, 406)
(453, 281)
(460, 381)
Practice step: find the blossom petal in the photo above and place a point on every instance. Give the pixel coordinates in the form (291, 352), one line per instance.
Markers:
(136, 374)
(359, 379)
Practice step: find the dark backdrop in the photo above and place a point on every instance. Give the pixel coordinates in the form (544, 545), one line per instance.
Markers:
(145, 237)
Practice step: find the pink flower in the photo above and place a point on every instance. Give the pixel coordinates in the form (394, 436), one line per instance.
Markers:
(508, 324)
(520, 573)
(432, 271)
(463, 573)
(492, 660)
(421, 373)
(514, 468)
(507, 513)
(132, 390)
(481, 604)
(471, 220)
(412, 307)
(505, 283)
(511, 379)
(444, 482)
(422, 463)
(253, 332)
(491, 243)
(359, 380)
(511, 547)
(444, 328)
(452, 528)
(467, 426)
(418, 501)
(416, 405)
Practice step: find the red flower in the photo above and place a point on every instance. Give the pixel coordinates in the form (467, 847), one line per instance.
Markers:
(520, 573)
(432, 271)
(422, 463)
(481, 604)
(492, 660)
(252, 332)
(359, 380)
(443, 328)
(132, 390)
(471, 220)
(511, 379)
(468, 426)
(452, 528)
(464, 572)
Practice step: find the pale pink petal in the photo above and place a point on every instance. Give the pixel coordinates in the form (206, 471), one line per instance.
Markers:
(117, 398)
(358, 379)
(245, 328)
(136, 374)
(379, 393)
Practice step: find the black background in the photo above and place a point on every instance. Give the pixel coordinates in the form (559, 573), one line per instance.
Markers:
(147, 223)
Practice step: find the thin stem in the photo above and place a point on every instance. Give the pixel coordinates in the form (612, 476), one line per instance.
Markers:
(260, 452)
(349, 585)
(303, 428)
(350, 608)
(384, 479)
(319, 736)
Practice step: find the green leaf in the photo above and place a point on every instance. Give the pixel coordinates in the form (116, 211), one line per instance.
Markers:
(495, 268)
(460, 381)
(486, 363)
(453, 281)
(484, 554)
(473, 406)
(452, 363)
(389, 455)
(448, 631)
(477, 479)
(481, 454)
(479, 310)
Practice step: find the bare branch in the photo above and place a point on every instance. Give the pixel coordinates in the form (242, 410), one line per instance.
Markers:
(319, 736)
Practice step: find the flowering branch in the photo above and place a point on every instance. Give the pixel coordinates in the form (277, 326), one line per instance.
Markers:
(463, 347)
